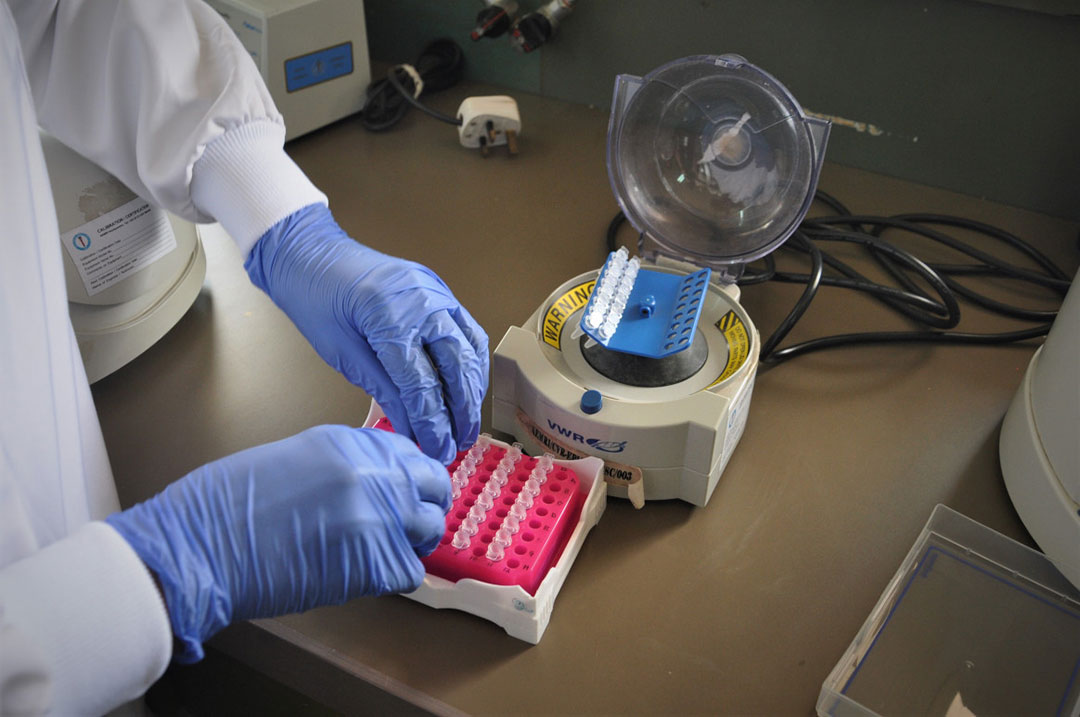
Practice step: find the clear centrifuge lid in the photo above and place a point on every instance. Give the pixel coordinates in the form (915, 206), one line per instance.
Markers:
(712, 158)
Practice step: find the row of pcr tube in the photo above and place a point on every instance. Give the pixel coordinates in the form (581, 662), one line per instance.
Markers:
(510, 525)
(504, 535)
(612, 293)
(470, 526)
(467, 467)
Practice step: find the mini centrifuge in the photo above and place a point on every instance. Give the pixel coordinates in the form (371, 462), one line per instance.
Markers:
(649, 363)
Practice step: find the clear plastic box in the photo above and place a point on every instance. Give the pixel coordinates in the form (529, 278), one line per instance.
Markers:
(972, 623)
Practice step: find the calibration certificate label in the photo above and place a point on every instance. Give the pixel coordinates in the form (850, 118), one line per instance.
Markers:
(115, 245)
(561, 309)
(614, 473)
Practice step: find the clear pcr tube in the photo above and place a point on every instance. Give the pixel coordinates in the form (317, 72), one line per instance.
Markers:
(503, 537)
(484, 502)
(525, 501)
(499, 477)
(461, 539)
(469, 527)
(496, 552)
(455, 490)
(547, 462)
(531, 487)
(477, 514)
(511, 523)
(518, 511)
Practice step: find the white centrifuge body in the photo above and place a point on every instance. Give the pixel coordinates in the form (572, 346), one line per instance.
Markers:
(657, 442)
(715, 164)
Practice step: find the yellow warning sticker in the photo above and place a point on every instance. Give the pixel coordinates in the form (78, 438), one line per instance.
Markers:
(561, 309)
(738, 341)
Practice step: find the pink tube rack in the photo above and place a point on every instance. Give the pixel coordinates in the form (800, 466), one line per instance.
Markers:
(542, 531)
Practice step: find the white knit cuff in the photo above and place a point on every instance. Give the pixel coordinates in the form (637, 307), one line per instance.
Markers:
(90, 607)
(246, 181)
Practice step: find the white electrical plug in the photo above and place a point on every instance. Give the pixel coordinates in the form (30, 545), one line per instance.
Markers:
(488, 122)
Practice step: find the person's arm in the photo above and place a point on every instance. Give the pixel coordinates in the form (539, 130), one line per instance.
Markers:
(142, 87)
(163, 95)
(83, 629)
(329, 515)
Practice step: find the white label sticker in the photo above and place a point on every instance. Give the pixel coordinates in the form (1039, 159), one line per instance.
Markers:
(115, 245)
(736, 423)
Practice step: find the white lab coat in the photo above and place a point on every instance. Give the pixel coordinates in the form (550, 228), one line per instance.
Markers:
(162, 95)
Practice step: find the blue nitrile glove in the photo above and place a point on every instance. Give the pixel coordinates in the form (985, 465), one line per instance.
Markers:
(330, 514)
(389, 325)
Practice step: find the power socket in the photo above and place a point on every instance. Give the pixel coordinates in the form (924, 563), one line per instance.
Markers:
(488, 122)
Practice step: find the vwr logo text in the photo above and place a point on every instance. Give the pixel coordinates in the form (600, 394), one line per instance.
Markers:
(605, 446)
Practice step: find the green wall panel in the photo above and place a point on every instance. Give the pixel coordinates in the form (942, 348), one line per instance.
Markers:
(399, 29)
(979, 98)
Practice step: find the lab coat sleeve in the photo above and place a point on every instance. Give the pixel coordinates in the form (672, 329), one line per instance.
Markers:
(83, 628)
(144, 88)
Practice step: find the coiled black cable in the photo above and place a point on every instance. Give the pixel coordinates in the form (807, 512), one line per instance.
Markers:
(849, 227)
(937, 311)
(440, 65)
(813, 281)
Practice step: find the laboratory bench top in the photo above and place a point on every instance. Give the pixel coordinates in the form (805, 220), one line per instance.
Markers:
(741, 606)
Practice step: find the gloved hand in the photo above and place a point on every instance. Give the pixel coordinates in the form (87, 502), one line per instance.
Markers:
(330, 514)
(388, 325)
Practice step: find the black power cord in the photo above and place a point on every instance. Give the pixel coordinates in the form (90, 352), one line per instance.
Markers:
(439, 65)
(938, 310)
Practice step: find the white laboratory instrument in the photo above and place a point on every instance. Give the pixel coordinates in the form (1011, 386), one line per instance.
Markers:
(312, 54)
(715, 163)
(132, 269)
(1040, 442)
